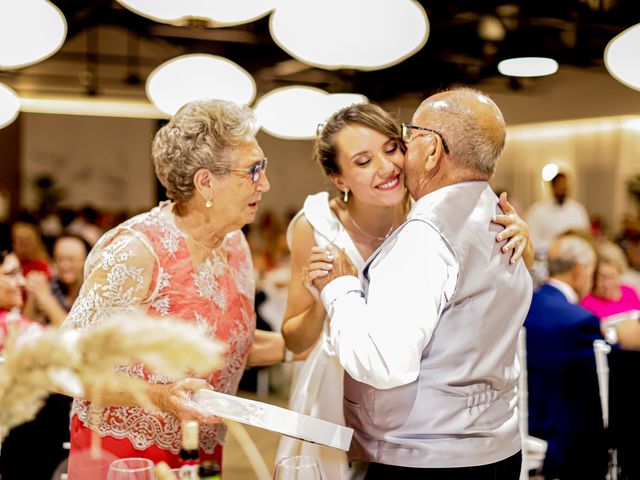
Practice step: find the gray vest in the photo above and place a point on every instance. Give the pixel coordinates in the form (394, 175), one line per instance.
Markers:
(461, 411)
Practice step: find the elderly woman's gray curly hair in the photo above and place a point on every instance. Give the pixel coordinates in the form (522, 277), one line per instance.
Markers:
(199, 136)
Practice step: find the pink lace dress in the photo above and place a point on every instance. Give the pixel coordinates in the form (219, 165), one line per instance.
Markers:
(147, 262)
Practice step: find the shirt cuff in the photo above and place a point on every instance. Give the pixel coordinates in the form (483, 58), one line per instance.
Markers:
(337, 288)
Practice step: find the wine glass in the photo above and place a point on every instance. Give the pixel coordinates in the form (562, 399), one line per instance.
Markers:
(300, 467)
(131, 469)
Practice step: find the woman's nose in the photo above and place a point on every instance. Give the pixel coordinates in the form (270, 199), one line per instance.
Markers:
(386, 166)
(263, 183)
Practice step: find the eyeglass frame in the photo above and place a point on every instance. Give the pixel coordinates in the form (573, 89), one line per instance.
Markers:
(254, 170)
(406, 127)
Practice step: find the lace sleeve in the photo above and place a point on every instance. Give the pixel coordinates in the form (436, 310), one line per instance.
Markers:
(118, 278)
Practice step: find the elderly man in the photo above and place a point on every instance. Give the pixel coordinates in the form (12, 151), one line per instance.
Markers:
(428, 341)
(564, 405)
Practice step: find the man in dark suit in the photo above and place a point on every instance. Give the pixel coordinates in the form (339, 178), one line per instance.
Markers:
(564, 404)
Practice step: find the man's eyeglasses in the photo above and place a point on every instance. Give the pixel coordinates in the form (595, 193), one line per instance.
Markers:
(254, 170)
(407, 134)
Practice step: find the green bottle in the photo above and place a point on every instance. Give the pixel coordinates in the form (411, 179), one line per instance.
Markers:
(209, 470)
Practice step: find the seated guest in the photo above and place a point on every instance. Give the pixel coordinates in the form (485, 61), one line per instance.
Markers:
(52, 301)
(29, 248)
(38, 443)
(564, 402)
(611, 297)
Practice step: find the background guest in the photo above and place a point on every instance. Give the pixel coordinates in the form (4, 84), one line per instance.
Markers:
(564, 404)
(549, 218)
(610, 297)
(43, 437)
(50, 302)
(30, 249)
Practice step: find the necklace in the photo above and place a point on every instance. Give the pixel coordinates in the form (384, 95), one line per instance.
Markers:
(373, 237)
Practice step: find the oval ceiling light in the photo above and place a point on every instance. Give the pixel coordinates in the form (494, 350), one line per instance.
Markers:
(30, 31)
(197, 76)
(9, 105)
(361, 34)
(528, 67)
(295, 112)
(217, 12)
(621, 57)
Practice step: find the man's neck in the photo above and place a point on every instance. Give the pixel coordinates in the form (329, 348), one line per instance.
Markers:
(453, 177)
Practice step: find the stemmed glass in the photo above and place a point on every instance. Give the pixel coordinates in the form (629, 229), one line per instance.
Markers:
(300, 467)
(131, 469)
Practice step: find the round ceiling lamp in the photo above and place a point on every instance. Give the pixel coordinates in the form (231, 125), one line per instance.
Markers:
(360, 34)
(216, 12)
(528, 67)
(9, 105)
(621, 57)
(30, 31)
(549, 171)
(295, 112)
(197, 76)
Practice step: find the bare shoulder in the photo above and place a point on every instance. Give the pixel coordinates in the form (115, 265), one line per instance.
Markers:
(303, 240)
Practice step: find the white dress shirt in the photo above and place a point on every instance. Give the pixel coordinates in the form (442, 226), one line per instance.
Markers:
(566, 289)
(547, 219)
(380, 336)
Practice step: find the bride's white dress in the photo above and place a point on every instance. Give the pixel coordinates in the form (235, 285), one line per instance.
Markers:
(317, 389)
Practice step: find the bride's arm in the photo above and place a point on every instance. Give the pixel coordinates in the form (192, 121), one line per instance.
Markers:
(305, 314)
(516, 231)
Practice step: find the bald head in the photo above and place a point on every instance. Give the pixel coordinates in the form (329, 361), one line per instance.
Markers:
(471, 124)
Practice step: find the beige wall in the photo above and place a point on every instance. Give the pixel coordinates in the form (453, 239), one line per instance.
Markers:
(599, 155)
(100, 161)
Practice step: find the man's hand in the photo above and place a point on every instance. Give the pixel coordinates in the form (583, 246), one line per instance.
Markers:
(342, 266)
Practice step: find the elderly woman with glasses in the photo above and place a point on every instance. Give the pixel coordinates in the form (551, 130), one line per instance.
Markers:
(186, 258)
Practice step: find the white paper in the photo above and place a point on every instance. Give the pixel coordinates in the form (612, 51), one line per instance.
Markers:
(276, 419)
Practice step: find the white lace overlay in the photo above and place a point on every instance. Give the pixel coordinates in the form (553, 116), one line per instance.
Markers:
(142, 429)
(127, 270)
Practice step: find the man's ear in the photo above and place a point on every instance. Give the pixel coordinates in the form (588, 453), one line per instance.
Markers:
(434, 154)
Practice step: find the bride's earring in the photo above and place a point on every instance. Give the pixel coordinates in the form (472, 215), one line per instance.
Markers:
(345, 197)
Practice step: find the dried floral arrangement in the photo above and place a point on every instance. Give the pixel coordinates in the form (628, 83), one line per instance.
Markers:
(38, 360)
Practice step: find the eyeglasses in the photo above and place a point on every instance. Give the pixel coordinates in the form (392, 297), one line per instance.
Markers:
(407, 134)
(254, 170)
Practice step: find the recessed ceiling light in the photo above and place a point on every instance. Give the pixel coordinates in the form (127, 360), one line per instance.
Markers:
(198, 76)
(528, 67)
(621, 57)
(549, 171)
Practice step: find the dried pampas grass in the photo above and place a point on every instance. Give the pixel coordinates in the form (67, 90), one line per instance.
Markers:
(40, 360)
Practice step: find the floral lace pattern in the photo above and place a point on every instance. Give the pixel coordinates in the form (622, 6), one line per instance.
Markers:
(146, 262)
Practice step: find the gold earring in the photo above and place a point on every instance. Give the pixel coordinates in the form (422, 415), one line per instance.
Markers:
(345, 197)
(208, 204)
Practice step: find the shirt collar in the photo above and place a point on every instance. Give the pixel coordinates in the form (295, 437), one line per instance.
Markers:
(566, 289)
(425, 203)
